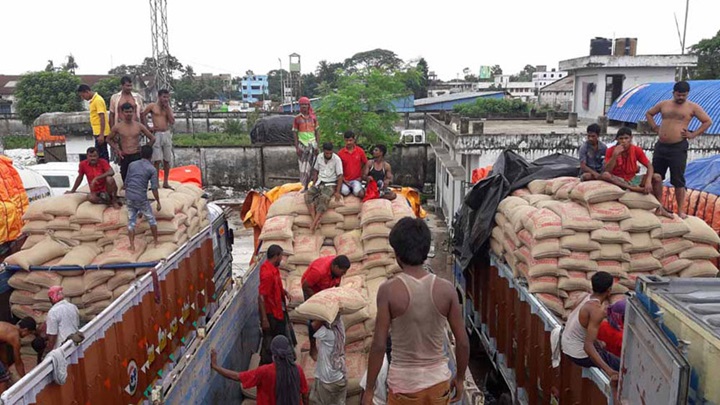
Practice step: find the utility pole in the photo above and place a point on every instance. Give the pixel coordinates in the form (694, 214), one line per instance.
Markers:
(160, 47)
(282, 85)
(682, 52)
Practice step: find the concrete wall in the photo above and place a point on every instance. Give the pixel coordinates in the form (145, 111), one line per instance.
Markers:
(13, 126)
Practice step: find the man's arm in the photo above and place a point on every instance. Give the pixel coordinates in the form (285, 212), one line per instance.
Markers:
(230, 374)
(78, 180)
(650, 116)
(143, 117)
(388, 175)
(50, 345)
(19, 365)
(596, 317)
(264, 322)
(112, 141)
(148, 134)
(462, 345)
(112, 111)
(648, 176)
(611, 159)
(170, 115)
(366, 170)
(147, 110)
(307, 290)
(102, 126)
(338, 186)
(705, 121)
(379, 343)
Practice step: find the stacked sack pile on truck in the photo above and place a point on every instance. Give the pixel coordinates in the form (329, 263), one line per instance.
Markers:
(557, 233)
(352, 228)
(68, 230)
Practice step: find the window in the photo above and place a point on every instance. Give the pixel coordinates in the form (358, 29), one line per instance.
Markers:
(245, 96)
(255, 87)
(244, 87)
(552, 76)
(58, 181)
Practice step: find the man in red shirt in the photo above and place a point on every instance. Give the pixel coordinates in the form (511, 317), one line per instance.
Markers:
(621, 167)
(353, 160)
(278, 382)
(323, 273)
(270, 301)
(103, 189)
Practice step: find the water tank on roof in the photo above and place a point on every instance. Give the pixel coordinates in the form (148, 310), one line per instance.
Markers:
(600, 46)
(625, 47)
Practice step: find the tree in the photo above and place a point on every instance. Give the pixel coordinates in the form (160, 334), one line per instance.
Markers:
(362, 102)
(525, 75)
(107, 87)
(50, 67)
(310, 85)
(380, 59)
(70, 65)
(274, 87)
(327, 73)
(147, 68)
(424, 80)
(496, 70)
(708, 53)
(41, 92)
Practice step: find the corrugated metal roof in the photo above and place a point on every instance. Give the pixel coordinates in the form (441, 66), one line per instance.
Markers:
(632, 105)
(455, 97)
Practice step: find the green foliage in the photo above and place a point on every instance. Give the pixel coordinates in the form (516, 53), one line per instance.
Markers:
(70, 65)
(42, 92)
(189, 90)
(310, 85)
(327, 73)
(708, 52)
(422, 69)
(274, 87)
(252, 118)
(18, 142)
(147, 68)
(106, 88)
(525, 75)
(211, 139)
(483, 107)
(431, 137)
(362, 103)
(233, 127)
(380, 59)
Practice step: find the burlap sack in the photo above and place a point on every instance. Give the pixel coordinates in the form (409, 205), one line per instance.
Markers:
(277, 228)
(610, 233)
(641, 242)
(191, 189)
(81, 255)
(700, 251)
(64, 205)
(672, 246)
(306, 249)
(579, 261)
(97, 294)
(496, 247)
(575, 281)
(88, 233)
(89, 213)
(644, 262)
(94, 278)
(301, 207)
(377, 259)
(376, 272)
(35, 227)
(563, 193)
(393, 269)
(116, 293)
(375, 230)
(574, 299)
(544, 223)
(286, 245)
(544, 248)
(640, 221)
(377, 210)
(121, 277)
(613, 267)
(330, 230)
(534, 199)
(351, 206)
(44, 279)
(553, 303)
(376, 245)
(350, 222)
(537, 267)
(558, 182)
(331, 217)
(44, 251)
(670, 228)
(509, 204)
(673, 265)
(327, 304)
(115, 218)
(36, 211)
(182, 200)
(121, 253)
(700, 268)
(500, 219)
(169, 209)
(518, 216)
(543, 284)
(73, 286)
(521, 192)
(157, 253)
(18, 281)
(579, 242)
(575, 216)
(511, 241)
(610, 251)
(537, 186)
(596, 191)
(33, 240)
(700, 231)
(611, 211)
(22, 297)
(94, 309)
(640, 201)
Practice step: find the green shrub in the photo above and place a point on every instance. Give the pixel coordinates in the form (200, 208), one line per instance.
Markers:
(233, 127)
(18, 142)
(484, 107)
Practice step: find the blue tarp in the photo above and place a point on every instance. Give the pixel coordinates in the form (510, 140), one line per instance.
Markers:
(703, 174)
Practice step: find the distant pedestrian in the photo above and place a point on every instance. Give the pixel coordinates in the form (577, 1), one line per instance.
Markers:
(125, 139)
(592, 154)
(99, 120)
(140, 173)
(281, 382)
(415, 308)
(162, 119)
(331, 369)
(379, 169)
(353, 161)
(307, 139)
(271, 297)
(327, 181)
(126, 95)
(63, 319)
(672, 146)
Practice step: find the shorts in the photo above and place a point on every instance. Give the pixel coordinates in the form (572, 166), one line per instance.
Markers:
(143, 207)
(437, 394)
(610, 359)
(319, 197)
(4, 374)
(674, 157)
(103, 196)
(125, 164)
(102, 149)
(354, 186)
(162, 148)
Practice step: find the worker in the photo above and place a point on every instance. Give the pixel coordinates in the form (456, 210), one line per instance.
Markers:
(139, 174)
(353, 162)
(323, 273)
(99, 175)
(129, 133)
(270, 301)
(379, 396)
(381, 171)
(162, 119)
(307, 138)
(579, 338)
(414, 308)
(63, 319)
(330, 386)
(12, 335)
(611, 329)
(327, 181)
(672, 146)
(99, 120)
(621, 167)
(281, 382)
(126, 95)
(592, 154)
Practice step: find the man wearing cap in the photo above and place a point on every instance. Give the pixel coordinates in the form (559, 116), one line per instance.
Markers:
(305, 131)
(63, 319)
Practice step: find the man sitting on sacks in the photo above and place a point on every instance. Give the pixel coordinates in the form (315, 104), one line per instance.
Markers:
(621, 167)
(327, 181)
(99, 174)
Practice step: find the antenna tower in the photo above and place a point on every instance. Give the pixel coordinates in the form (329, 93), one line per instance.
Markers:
(160, 48)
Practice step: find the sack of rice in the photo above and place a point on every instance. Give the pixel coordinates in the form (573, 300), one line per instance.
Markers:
(182, 200)
(700, 268)
(94, 278)
(644, 262)
(116, 293)
(351, 206)
(88, 213)
(610, 233)
(42, 252)
(673, 265)
(302, 221)
(350, 222)
(533, 199)
(508, 205)
(518, 215)
(612, 267)
(596, 191)
(330, 230)
(640, 201)
(97, 294)
(190, 189)
(35, 227)
(88, 233)
(350, 245)
(496, 247)
(500, 219)
(579, 261)
(121, 277)
(699, 252)
(579, 242)
(401, 209)
(640, 221)
(169, 209)
(511, 240)
(641, 242)
(377, 210)
(544, 248)
(64, 205)
(521, 192)
(327, 304)
(537, 267)
(609, 211)
(376, 272)
(563, 193)
(300, 205)
(277, 228)
(306, 248)
(73, 286)
(286, 245)
(610, 251)
(377, 259)
(700, 231)
(115, 218)
(537, 186)
(558, 182)
(376, 245)
(121, 252)
(672, 246)
(543, 224)
(331, 217)
(36, 211)
(32, 240)
(157, 253)
(44, 279)
(22, 297)
(94, 309)
(81, 255)
(575, 216)
(393, 269)
(543, 284)
(375, 230)
(631, 281)
(574, 299)
(670, 228)
(553, 303)
(575, 281)
(19, 281)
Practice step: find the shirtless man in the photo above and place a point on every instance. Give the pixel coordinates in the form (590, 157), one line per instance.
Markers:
(129, 131)
(672, 146)
(126, 95)
(12, 335)
(162, 119)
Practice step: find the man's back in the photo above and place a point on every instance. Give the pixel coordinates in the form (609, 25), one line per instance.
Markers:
(63, 320)
(136, 184)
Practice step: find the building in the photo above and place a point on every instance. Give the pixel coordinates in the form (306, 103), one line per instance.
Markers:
(558, 94)
(601, 79)
(448, 101)
(542, 77)
(443, 89)
(401, 105)
(632, 105)
(522, 90)
(254, 88)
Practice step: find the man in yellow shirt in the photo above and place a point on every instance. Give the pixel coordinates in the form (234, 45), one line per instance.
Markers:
(98, 119)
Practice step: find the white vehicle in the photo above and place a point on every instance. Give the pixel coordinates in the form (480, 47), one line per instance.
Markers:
(412, 136)
(59, 175)
(34, 183)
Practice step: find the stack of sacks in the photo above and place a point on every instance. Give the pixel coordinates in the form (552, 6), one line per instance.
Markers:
(556, 234)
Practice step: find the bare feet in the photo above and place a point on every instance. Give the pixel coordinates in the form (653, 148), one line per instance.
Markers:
(132, 247)
(167, 186)
(682, 215)
(662, 212)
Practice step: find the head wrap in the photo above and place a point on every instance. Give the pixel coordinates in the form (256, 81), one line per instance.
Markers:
(304, 100)
(287, 380)
(311, 112)
(616, 315)
(56, 293)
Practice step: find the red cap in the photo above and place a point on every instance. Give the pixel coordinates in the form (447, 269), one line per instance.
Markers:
(304, 100)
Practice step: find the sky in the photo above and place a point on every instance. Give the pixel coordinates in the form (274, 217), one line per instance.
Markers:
(225, 36)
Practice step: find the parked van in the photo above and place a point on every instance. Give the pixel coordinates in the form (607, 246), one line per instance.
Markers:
(60, 176)
(412, 136)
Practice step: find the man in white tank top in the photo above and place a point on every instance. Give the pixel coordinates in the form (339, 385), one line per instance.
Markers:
(579, 339)
(418, 306)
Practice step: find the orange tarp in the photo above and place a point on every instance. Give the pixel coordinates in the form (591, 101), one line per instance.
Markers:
(184, 174)
(481, 173)
(13, 201)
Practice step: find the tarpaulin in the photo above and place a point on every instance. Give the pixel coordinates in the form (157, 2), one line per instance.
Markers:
(474, 220)
(280, 191)
(275, 129)
(702, 180)
(480, 173)
(184, 174)
(13, 201)
(413, 197)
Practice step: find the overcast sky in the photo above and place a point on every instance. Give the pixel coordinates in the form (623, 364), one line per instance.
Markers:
(224, 36)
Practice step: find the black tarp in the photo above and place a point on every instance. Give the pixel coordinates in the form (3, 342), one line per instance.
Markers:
(276, 129)
(475, 219)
